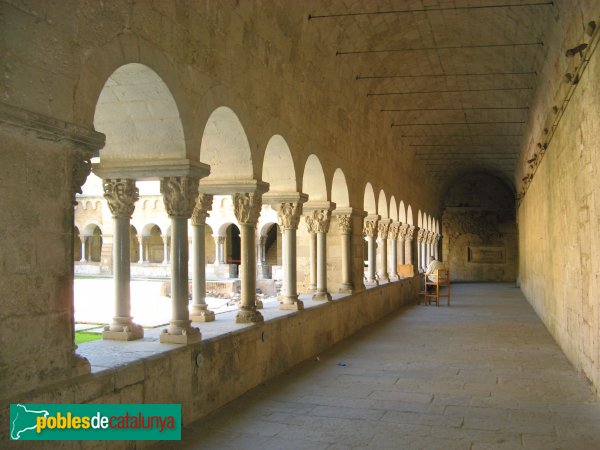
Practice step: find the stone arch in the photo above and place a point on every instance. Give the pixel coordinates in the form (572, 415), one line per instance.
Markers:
(409, 216)
(339, 189)
(382, 206)
(393, 209)
(93, 242)
(313, 180)
(89, 228)
(147, 229)
(134, 248)
(402, 212)
(225, 147)
(369, 204)
(76, 244)
(278, 166)
(419, 219)
(138, 114)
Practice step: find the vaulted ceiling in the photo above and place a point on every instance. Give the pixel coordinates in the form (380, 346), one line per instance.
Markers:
(453, 80)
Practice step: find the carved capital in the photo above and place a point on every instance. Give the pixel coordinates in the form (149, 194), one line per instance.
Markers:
(403, 231)
(179, 195)
(410, 233)
(345, 223)
(121, 195)
(318, 221)
(220, 240)
(201, 208)
(289, 215)
(420, 235)
(394, 231)
(370, 228)
(80, 169)
(383, 229)
(247, 207)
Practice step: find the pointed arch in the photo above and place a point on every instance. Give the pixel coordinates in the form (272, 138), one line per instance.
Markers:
(369, 204)
(339, 189)
(393, 209)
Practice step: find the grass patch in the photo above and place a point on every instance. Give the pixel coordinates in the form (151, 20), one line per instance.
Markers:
(82, 336)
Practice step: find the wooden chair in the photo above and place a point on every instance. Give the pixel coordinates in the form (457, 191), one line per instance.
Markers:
(443, 281)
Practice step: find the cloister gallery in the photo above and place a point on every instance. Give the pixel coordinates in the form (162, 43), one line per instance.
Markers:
(330, 146)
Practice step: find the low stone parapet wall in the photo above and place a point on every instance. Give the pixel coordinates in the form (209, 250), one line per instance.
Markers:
(205, 376)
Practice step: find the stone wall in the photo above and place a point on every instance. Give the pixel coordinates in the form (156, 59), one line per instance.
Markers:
(480, 234)
(559, 229)
(207, 375)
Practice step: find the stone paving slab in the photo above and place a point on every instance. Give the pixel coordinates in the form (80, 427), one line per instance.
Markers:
(482, 374)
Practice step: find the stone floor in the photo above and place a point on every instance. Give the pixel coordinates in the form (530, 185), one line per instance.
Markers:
(482, 374)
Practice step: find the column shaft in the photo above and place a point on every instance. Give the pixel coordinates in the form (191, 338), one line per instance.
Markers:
(347, 284)
(248, 312)
(141, 244)
(179, 275)
(371, 270)
(313, 262)
(401, 252)
(82, 259)
(290, 292)
(383, 272)
(394, 259)
(321, 293)
(199, 311)
(166, 248)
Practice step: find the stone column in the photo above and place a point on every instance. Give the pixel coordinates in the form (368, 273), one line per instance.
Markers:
(401, 244)
(262, 269)
(419, 249)
(289, 218)
(393, 239)
(436, 245)
(312, 232)
(199, 311)
(382, 232)
(141, 244)
(179, 195)
(408, 244)
(247, 210)
(220, 249)
(345, 226)
(82, 239)
(319, 221)
(121, 195)
(370, 231)
(166, 248)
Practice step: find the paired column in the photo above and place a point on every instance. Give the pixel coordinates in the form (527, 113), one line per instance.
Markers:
(289, 218)
(393, 240)
(179, 195)
(436, 244)
(370, 231)
(402, 244)
(220, 249)
(312, 247)
(121, 195)
(382, 230)
(262, 268)
(199, 311)
(141, 244)
(420, 249)
(247, 210)
(408, 244)
(166, 247)
(82, 239)
(345, 227)
(318, 221)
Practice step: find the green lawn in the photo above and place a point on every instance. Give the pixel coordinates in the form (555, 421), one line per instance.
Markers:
(82, 336)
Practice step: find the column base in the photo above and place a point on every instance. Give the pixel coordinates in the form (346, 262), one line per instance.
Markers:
(312, 288)
(394, 277)
(291, 304)
(259, 304)
(322, 297)
(201, 313)
(346, 288)
(176, 334)
(249, 316)
(383, 278)
(80, 365)
(371, 283)
(122, 329)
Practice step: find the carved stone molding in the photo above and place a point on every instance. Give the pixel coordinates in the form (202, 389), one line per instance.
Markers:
(121, 196)
(370, 228)
(247, 207)
(289, 215)
(345, 223)
(383, 229)
(201, 208)
(420, 234)
(179, 195)
(318, 221)
(81, 167)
